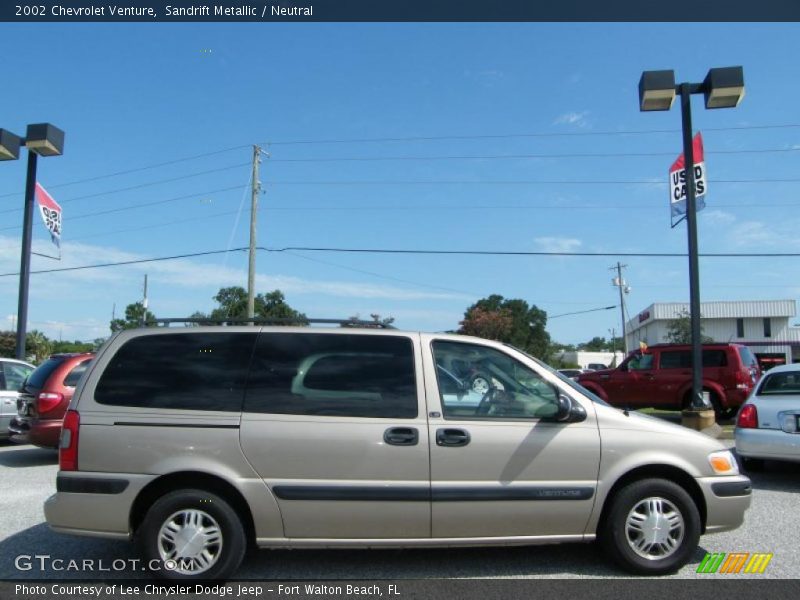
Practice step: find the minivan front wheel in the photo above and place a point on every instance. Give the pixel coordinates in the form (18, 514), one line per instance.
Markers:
(192, 534)
(652, 527)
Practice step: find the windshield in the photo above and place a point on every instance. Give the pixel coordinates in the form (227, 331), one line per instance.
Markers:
(571, 383)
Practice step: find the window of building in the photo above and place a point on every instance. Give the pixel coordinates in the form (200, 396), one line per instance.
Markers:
(740, 328)
(338, 375)
(767, 328)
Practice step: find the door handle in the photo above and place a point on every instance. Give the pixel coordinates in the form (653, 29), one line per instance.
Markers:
(401, 436)
(452, 437)
(650, 377)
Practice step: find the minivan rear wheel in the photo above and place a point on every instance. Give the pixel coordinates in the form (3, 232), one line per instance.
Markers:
(192, 535)
(652, 527)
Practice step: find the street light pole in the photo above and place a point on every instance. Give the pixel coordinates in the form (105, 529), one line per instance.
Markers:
(41, 139)
(25, 258)
(722, 88)
(698, 401)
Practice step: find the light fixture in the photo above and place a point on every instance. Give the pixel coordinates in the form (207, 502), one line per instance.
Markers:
(9, 145)
(656, 90)
(45, 139)
(724, 87)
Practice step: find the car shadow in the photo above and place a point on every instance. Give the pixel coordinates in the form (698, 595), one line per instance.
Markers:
(776, 476)
(28, 456)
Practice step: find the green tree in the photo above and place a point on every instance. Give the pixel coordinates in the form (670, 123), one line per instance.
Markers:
(679, 329)
(232, 303)
(135, 315)
(69, 347)
(38, 346)
(8, 344)
(508, 320)
(377, 321)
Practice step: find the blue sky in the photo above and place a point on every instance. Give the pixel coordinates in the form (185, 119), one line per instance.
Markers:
(135, 95)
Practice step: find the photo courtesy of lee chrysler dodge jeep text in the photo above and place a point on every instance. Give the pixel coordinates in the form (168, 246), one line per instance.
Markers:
(196, 442)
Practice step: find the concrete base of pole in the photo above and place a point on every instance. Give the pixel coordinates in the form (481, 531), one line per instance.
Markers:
(698, 419)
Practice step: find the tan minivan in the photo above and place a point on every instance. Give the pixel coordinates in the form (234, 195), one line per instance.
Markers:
(198, 442)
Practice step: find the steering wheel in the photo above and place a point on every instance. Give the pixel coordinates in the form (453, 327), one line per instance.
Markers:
(486, 401)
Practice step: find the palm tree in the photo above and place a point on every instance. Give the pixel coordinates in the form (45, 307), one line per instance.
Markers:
(37, 344)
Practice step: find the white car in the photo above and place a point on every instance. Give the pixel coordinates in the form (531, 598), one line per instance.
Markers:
(768, 425)
(12, 374)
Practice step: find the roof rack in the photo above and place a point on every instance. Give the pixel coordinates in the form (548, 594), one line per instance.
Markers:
(272, 321)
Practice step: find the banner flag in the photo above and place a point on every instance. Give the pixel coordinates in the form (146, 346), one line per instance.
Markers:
(677, 180)
(51, 214)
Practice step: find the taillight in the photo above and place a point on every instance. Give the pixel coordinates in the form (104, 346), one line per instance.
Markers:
(47, 401)
(68, 444)
(748, 417)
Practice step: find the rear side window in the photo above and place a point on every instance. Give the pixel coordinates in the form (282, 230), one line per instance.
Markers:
(193, 371)
(748, 360)
(39, 376)
(15, 375)
(682, 359)
(73, 376)
(341, 375)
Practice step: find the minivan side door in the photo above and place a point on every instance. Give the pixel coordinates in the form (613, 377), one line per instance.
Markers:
(499, 467)
(335, 424)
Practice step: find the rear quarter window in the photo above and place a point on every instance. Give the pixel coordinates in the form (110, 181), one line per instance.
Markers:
(191, 371)
(72, 378)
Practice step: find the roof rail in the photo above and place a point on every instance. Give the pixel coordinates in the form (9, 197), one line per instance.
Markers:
(271, 321)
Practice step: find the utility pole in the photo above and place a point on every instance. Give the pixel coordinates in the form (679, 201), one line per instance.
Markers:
(620, 283)
(144, 303)
(251, 270)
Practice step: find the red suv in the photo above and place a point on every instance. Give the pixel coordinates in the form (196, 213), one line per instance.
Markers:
(661, 377)
(44, 399)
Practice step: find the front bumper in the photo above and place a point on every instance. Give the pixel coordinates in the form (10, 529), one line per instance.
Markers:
(767, 443)
(94, 504)
(727, 498)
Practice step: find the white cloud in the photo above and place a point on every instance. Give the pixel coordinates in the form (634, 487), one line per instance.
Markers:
(717, 217)
(759, 235)
(557, 244)
(573, 118)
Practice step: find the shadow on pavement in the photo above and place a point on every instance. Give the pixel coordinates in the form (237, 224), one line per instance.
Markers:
(19, 561)
(28, 456)
(776, 476)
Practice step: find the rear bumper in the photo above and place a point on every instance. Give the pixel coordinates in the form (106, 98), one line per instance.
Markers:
(767, 443)
(727, 499)
(94, 504)
(40, 432)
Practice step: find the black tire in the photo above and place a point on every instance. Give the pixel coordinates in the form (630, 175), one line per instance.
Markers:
(721, 413)
(227, 554)
(614, 535)
(752, 464)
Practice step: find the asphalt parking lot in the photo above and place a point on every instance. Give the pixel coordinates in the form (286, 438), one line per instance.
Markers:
(28, 478)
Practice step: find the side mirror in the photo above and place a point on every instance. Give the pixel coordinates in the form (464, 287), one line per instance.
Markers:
(569, 411)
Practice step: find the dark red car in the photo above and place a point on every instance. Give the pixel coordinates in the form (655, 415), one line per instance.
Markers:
(44, 399)
(661, 377)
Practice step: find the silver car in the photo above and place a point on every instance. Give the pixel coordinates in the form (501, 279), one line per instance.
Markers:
(194, 442)
(768, 425)
(12, 374)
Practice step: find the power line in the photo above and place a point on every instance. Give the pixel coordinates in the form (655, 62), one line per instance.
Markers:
(520, 135)
(521, 156)
(580, 312)
(129, 171)
(142, 205)
(513, 182)
(289, 249)
(141, 185)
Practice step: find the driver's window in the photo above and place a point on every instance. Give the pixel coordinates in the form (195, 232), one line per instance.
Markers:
(490, 384)
(642, 362)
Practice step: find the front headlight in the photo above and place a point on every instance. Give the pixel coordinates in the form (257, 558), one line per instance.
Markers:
(723, 463)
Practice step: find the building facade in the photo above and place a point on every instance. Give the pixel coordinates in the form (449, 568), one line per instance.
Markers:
(762, 325)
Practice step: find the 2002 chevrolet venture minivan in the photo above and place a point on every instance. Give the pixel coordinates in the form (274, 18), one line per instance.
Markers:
(197, 442)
